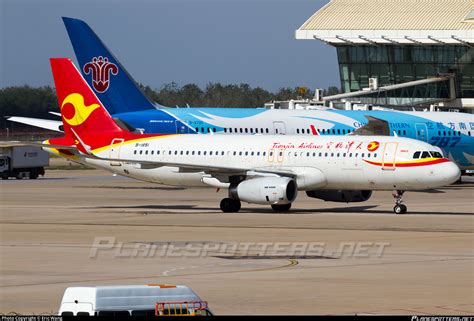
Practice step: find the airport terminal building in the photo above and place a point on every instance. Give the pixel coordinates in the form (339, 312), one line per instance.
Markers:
(400, 52)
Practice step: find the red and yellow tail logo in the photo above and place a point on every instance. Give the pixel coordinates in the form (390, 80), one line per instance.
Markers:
(373, 146)
(74, 110)
(85, 120)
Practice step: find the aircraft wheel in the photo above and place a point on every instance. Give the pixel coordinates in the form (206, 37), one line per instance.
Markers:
(400, 209)
(229, 205)
(281, 208)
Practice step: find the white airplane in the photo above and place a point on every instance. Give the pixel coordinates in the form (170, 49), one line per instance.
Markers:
(124, 100)
(260, 169)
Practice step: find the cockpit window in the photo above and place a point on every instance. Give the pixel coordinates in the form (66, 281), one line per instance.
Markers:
(425, 155)
(436, 154)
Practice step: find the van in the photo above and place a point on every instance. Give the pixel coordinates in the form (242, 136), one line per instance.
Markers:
(132, 300)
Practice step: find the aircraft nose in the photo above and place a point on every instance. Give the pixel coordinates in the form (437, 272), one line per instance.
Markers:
(450, 172)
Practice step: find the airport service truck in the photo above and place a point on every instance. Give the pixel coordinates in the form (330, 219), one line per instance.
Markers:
(133, 300)
(22, 161)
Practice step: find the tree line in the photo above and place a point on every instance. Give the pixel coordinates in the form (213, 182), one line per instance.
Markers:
(36, 102)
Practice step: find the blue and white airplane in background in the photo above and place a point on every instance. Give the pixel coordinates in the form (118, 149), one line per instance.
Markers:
(119, 93)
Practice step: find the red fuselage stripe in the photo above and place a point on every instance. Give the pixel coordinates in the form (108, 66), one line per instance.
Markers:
(410, 164)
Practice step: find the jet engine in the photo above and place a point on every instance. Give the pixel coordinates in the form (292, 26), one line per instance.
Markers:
(266, 190)
(343, 196)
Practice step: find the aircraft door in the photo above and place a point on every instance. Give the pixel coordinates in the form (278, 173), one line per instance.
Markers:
(389, 156)
(279, 128)
(421, 132)
(114, 151)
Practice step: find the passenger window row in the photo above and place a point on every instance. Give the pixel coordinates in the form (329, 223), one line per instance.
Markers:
(448, 133)
(329, 154)
(250, 153)
(246, 130)
(234, 130)
(335, 131)
(308, 131)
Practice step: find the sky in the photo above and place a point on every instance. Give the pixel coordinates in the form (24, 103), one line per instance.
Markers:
(163, 41)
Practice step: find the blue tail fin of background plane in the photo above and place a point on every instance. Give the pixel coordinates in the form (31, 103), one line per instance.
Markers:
(113, 85)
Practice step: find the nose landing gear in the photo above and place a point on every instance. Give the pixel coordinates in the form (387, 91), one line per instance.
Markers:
(399, 208)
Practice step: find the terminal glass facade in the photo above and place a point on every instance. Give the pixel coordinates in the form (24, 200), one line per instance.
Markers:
(393, 64)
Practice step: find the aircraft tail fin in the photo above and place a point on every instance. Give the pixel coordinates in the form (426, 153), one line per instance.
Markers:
(85, 119)
(112, 84)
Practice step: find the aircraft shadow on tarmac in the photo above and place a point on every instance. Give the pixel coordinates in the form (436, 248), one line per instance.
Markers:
(163, 210)
(159, 207)
(412, 213)
(366, 209)
(242, 211)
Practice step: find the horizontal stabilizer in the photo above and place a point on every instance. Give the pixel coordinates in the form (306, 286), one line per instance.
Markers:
(54, 125)
(37, 144)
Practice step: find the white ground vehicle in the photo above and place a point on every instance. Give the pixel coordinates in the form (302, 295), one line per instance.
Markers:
(132, 300)
(22, 161)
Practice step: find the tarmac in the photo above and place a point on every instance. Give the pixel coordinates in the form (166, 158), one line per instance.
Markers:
(87, 228)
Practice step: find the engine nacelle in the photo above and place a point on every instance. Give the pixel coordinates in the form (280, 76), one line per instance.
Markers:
(266, 190)
(340, 195)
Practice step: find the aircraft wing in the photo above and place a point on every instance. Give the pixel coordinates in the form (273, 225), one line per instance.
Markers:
(54, 125)
(375, 127)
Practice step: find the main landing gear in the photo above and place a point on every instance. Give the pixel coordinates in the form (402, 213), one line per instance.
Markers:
(230, 205)
(399, 208)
